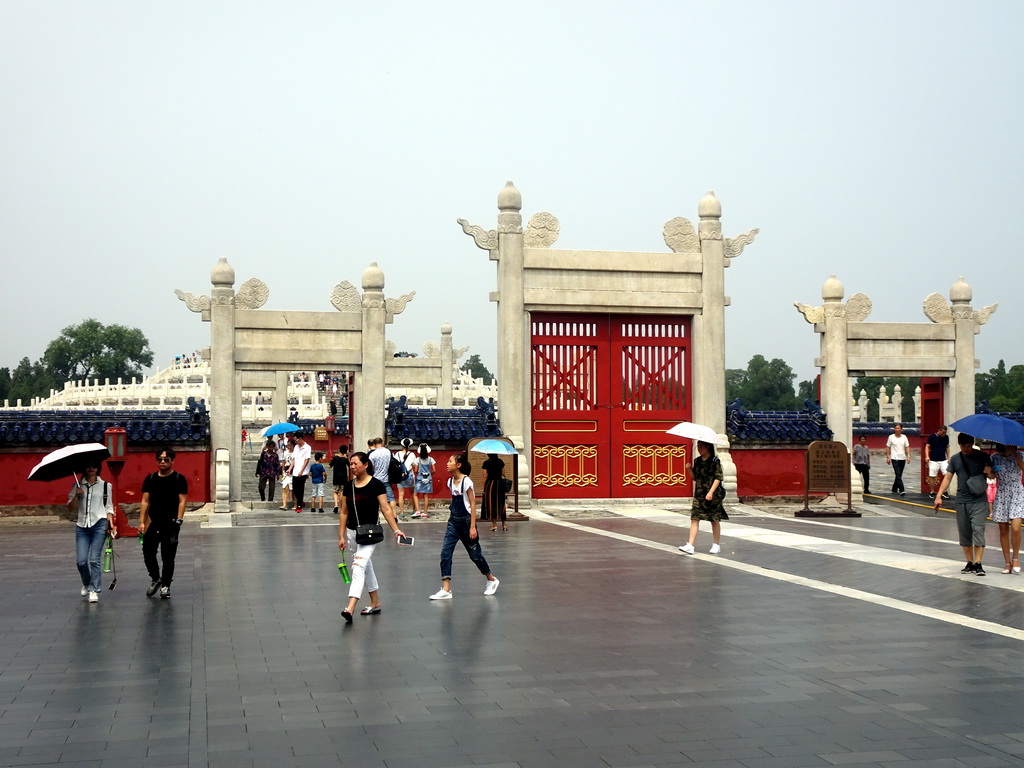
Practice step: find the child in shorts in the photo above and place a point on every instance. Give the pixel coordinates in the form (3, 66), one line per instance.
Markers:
(318, 476)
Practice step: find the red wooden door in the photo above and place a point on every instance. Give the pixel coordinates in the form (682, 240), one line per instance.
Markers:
(604, 390)
(932, 414)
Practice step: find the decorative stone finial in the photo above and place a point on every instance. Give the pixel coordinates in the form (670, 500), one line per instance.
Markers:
(709, 207)
(222, 273)
(832, 290)
(446, 328)
(961, 291)
(510, 199)
(373, 278)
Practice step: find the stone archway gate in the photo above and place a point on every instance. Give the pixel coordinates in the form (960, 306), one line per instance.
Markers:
(247, 341)
(851, 346)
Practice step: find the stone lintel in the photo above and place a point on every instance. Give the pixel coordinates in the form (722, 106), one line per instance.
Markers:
(422, 377)
(263, 358)
(613, 261)
(901, 331)
(940, 366)
(297, 321)
(649, 304)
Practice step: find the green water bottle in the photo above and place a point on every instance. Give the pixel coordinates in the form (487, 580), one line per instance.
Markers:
(140, 538)
(108, 557)
(343, 570)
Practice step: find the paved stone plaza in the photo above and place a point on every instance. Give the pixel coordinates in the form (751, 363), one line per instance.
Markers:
(852, 642)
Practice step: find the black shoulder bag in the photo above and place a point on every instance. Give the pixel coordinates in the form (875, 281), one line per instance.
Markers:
(369, 533)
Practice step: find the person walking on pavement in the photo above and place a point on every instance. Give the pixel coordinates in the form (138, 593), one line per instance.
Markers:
(897, 454)
(301, 460)
(91, 500)
(970, 467)
(424, 469)
(936, 454)
(363, 500)
(380, 458)
(161, 514)
(339, 475)
(862, 461)
(268, 469)
(1008, 507)
(708, 495)
(462, 527)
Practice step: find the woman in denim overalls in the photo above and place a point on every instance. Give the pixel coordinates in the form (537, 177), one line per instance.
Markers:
(462, 527)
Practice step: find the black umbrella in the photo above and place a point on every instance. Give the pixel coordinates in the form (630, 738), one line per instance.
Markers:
(68, 461)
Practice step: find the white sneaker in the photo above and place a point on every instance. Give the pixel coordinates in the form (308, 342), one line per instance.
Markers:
(715, 549)
(94, 597)
(85, 591)
(492, 587)
(441, 595)
(687, 548)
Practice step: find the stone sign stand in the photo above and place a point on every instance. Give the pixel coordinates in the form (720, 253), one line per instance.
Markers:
(851, 346)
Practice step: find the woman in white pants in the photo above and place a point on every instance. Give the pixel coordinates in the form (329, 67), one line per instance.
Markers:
(365, 499)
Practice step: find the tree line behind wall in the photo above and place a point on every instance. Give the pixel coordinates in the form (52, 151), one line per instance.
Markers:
(767, 385)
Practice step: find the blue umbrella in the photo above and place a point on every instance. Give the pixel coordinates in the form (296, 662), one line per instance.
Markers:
(988, 426)
(494, 446)
(280, 428)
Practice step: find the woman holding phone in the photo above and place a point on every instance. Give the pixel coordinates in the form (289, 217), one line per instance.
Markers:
(363, 503)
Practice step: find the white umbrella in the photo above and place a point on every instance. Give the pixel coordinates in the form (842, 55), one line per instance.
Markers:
(696, 432)
(68, 461)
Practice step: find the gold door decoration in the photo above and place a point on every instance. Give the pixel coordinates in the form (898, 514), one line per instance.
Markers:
(646, 465)
(565, 466)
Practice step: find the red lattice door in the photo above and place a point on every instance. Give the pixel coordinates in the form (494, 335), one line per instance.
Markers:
(604, 390)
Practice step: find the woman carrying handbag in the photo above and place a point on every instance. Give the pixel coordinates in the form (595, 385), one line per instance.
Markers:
(359, 530)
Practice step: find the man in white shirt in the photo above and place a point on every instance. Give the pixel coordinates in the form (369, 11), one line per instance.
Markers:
(897, 454)
(300, 469)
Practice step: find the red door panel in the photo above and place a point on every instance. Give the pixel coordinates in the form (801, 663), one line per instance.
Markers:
(604, 390)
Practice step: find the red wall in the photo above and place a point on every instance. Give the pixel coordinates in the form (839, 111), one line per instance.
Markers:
(769, 472)
(17, 490)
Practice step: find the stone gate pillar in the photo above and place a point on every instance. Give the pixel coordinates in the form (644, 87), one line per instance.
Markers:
(709, 335)
(959, 396)
(369, 415)
(279, 407)
(225, 413)
(444, 393)
(513, 330)
(835, 376)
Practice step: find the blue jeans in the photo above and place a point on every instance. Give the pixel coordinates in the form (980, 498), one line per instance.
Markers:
(458, 530)
(88, 550)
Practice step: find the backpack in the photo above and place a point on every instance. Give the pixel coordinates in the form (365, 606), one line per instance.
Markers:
(397, 471)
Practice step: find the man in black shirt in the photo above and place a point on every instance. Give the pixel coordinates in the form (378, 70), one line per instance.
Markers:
(339, 465)
(160, 516)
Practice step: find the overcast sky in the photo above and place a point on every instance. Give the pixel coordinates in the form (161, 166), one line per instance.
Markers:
(142, 141)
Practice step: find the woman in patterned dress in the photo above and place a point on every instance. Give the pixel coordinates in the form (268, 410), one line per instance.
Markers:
(707, 497)
(1008, 507)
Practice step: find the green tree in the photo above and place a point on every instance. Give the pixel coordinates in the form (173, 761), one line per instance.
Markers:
(91, 350)
(26, 381)
(764, 385)
(477, 369)
(807, 390)
(1002, 388)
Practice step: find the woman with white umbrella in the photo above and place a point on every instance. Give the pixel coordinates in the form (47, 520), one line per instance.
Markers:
(92, 501)
(708, 494)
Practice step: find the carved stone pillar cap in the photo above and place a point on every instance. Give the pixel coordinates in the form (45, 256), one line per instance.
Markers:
(961, 291)
(446, 329)
(222, 273)
(709, 207)
(373, 278)
(510, 199)
(832, 290)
